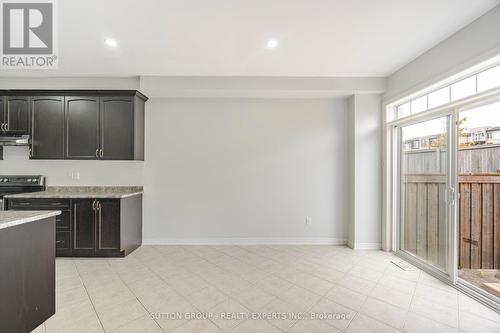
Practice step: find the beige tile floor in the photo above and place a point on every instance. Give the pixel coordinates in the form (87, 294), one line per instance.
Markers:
(154, 288)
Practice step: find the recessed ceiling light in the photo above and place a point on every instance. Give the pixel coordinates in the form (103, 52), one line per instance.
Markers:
(111, 42)
(272, 43)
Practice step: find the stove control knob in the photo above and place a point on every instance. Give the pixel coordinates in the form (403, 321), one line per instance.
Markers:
(34, 180)
(29, 180)
(5, 180)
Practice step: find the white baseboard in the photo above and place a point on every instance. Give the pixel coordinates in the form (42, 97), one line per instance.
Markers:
(244, 241)
(366, 246)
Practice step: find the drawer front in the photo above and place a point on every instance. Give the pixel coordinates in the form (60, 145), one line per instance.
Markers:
(63, 240)
(63, 221)
(43, 204)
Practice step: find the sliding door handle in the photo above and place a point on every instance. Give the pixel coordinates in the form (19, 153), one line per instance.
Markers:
(450, 195)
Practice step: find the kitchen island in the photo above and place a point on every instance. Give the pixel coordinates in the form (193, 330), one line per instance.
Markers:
(27, 265)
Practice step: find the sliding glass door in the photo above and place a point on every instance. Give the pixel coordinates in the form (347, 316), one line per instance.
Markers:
(425, 193)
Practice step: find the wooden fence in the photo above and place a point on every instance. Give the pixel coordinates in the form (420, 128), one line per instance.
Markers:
(477, 159)
(426, 223)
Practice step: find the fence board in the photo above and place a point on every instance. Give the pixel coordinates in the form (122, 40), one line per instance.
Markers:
(432, 223)
(426, 224)
(411, 216)
(465, 221)
(422, 221)
(476, 217)
(487, 227)
(442, 228)
(496, 227)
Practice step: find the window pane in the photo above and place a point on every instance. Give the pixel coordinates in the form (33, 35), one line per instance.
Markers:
(404, 110)
(439, 97)
(424, 223)
(488, 79)
(419, 105)
(463, 88)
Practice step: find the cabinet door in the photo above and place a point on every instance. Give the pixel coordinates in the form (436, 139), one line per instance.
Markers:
(117, 128)
(18, 114)
(47, 128)
(82, 127)
(2, 113)
(83, 227)
(108, 224)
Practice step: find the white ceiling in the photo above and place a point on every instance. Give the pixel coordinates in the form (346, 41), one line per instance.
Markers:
(228, 37)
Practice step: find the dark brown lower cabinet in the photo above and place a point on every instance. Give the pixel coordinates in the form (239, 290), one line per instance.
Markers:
(83, 227)
(96, 227)
(63, 221)
(108, 225)
(92, 227)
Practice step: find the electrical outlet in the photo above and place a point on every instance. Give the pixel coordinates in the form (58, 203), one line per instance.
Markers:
(309, 221)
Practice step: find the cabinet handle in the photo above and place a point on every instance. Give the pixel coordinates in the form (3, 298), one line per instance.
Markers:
(101, 153)
(56, 204)
(97, 153)
(24, 204)
(93, 205)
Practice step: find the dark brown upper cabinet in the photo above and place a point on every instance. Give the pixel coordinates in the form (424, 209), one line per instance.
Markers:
(82, 127)
(100, 128)
(117, 128)
(47, 127)
(76, 124)
(17, 115)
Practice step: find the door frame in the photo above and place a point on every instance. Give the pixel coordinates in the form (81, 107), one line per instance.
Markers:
(391, 191)
(448, 274)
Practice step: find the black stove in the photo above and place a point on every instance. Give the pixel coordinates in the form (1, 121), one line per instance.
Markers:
(20, 184)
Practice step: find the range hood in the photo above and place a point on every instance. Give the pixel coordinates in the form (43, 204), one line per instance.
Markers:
(14, 140)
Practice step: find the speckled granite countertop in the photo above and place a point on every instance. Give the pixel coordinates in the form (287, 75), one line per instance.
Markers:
(82, 192)
(12, 218)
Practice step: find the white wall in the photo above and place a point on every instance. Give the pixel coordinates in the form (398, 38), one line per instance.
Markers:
(476, 42)
(58, 173)
(364, 172)
(246, 169)
(250, 170)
